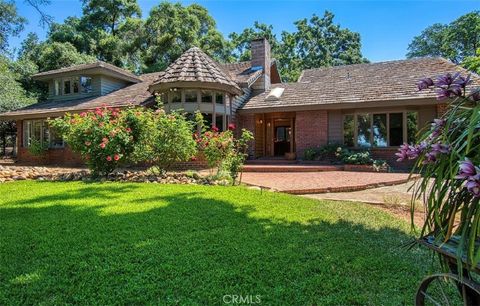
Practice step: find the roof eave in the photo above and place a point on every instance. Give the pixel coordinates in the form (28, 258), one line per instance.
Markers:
(160, 86)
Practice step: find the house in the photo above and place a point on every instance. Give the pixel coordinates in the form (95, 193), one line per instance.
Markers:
(375, 106)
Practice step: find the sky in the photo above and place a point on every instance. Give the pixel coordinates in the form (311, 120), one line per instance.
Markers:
(386, 27)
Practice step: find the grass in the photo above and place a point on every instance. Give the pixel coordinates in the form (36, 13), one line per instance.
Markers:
(107, 243)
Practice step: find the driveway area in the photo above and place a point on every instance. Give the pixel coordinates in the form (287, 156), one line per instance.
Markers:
(322, 182)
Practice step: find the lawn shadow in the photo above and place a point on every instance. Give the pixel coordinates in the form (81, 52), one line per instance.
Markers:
(194, 249)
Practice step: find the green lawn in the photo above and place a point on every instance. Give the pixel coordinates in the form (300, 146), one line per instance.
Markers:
(104, 243)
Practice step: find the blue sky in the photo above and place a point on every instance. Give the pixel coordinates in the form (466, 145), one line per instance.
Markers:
(386, 27)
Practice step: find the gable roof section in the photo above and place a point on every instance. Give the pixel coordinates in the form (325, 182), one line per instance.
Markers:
(385, 81)
(135, 94)
(195, 67)
(242, 73)
(96, 67)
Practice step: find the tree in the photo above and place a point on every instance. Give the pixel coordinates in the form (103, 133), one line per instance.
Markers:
(12, 96)
(108, 15)
(58, 55)
(455, 41)
(472, 63)
(241, 42)
(171, 29)
(11, 24)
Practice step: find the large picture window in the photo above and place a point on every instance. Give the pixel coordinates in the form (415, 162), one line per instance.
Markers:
(38, 130)
(379, 129)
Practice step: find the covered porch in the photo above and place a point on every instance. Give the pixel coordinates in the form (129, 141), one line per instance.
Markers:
(275, 135)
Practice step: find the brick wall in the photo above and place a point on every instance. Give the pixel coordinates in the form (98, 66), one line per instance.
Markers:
(441, 109)
(247, 121)
(311, 130)
(388, 155)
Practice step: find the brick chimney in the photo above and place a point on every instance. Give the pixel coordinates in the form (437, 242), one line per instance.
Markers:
(261, 58)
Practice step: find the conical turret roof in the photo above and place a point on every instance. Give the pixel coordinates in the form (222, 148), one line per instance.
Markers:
(195, 69)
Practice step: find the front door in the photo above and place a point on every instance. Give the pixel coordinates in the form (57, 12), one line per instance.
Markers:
(281, 144)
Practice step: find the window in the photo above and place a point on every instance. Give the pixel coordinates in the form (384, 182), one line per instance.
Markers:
(56, 85)
(219, 122)
(379, 130)
(363, 130)
(412, 127)
(75, 85)
(207, 96)
(66, 87)
(39, 130)
(348, 131)
(190, 96)
(219, 98)
(207, 119)
(175, 97)
(396, 129)
(86, 84)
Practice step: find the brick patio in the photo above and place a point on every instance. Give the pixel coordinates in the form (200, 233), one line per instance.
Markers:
(322, 182)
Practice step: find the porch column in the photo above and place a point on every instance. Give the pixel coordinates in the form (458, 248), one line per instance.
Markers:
(291, 135)
(214, 114)
(225, 123)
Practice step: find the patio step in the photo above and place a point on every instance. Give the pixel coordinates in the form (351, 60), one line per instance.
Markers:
(290, 168)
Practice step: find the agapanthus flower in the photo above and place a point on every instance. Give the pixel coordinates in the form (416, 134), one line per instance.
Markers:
(447, 79)
(441, 148)
(407, 151)
(466, 169)
(473, 185)
(430, 157)
(452, 91)
(463, 82)
(425, 83)
(475, 96)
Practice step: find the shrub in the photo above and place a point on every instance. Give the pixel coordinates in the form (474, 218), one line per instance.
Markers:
(310, 154)
(169, 140)
(104, 137)
(321, 153)
(37, 148)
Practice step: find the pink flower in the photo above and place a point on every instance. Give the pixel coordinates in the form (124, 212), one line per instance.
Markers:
(105, 139)
(128, 130)
(109, 158)
(83, 114)
(112, 133)
(231, 126)
(88, 143)
(102, 145)
(215, 129)
(116, 157)
(193, 158)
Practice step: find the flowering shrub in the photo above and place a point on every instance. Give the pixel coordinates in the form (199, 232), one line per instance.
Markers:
(168, 140)
(222, 150)
(104, 137)
(37, 148)
(448, 155)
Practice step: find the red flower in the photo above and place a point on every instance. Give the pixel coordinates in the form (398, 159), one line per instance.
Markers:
(231, 126)
(215, 129)
(116, 157)
(109, 158)
(194, 158)
(128, 130)
(102, 145)
(83, 114)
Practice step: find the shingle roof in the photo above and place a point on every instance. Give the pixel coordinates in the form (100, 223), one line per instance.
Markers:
(194, 66)
(385, 81)
(83, 67)
(135, 94)
(242, 73)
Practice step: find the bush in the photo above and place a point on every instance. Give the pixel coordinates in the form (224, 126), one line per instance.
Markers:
(321, 153)
(37, 148)
(104, 137)
(168, 140)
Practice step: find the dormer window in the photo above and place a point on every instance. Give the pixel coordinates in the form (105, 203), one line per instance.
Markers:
(86, 84)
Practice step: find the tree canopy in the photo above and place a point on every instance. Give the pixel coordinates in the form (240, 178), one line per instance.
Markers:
(11, 23)
(454, 41)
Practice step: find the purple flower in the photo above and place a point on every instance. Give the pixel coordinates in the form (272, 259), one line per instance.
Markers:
(409, 152)
(437, 127)
(447, 79)
(473, 185)
(440, 148)
(430, 157)
(424, 83)
(463, 82)
(452, 91)
(466, 170)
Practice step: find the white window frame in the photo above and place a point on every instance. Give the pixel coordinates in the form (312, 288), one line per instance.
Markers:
(27, 136)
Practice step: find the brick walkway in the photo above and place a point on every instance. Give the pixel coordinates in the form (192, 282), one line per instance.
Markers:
(322, 182)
